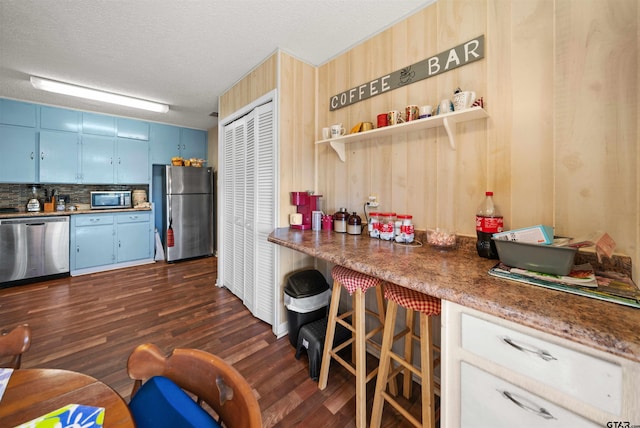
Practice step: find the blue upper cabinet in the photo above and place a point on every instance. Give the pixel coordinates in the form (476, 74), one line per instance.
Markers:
(19, 154)
(132, 162)
(98, 156)
(165, 143)
(98, 124)
(193, 143)
(133, 129)
(59, 157)
(17, 113)
(59, 119)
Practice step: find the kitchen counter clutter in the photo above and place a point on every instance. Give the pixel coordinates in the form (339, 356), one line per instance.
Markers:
(460, 276)
(58, 213)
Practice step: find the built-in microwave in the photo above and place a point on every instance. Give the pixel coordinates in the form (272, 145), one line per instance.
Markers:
(110, 199)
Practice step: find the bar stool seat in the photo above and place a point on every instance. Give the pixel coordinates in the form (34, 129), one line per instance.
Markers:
(356, 284)
(427, 306)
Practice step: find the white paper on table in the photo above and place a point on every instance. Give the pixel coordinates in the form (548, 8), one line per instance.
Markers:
(5, 375)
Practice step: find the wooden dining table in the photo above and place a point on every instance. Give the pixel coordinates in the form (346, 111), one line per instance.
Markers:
(32, 393)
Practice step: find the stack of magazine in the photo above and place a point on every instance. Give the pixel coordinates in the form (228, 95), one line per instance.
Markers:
(582, 280)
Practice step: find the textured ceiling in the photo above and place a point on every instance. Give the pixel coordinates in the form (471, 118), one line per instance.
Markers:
(183, 53)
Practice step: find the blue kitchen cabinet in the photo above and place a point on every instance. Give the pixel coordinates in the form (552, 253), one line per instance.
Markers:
(193, 143)
(19, 153)
(98, 124)
(17, 113)
(132, 162)
(165, 143)
(98, 154)
(92, 240)
(59, 119)
(134, 238)
(59, 153)
(110, 240)
(133, 129)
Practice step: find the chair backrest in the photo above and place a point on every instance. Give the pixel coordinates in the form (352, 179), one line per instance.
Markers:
(14, 344)
(205, 375)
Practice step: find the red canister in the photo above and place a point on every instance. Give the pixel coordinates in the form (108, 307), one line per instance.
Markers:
(382, 120)
(327, 222)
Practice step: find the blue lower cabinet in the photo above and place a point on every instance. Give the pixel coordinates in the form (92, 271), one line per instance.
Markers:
(102, 241)
(19, 154)
(133, 235)
(93, 241)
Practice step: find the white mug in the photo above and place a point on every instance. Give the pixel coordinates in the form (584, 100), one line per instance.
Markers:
(463, 100)
(337, 130)
(426, 111)
(326, 133)
(446, 106)
(295, 219)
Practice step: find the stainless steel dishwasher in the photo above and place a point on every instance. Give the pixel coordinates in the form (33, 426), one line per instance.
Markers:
(33, 246)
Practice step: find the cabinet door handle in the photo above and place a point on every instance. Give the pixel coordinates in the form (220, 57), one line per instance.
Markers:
(111, 161)
(529, 406)
(539, 352)
(42, 155)
(119, 161)
(32, 155)
(77, 248)
(184, 147)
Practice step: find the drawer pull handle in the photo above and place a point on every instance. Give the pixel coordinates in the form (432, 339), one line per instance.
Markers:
(539, 352)
(529, 406)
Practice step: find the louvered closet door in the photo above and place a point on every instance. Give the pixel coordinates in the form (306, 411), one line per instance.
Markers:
(233, 207)
(266, 188)
(249, 171)
(250, 215)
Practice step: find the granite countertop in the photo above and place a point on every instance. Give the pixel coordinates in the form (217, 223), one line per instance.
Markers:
(59, 213)
(460, 276)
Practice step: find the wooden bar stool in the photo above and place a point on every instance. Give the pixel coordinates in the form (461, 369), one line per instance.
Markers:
(427, 306)
(356, 284)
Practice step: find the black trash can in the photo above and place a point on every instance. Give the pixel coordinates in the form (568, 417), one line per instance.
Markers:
(306, 296)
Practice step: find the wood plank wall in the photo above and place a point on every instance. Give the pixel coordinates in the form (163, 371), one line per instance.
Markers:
(560, 83)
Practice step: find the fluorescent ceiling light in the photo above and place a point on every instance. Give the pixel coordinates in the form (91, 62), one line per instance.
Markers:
(95, 94)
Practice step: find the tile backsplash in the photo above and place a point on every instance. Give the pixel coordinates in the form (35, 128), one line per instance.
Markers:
(17, 195)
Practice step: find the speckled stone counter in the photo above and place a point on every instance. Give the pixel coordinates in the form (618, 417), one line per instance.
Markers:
(460, 276)
(60, 213)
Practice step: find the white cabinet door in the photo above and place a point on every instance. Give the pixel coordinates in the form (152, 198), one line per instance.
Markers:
(488, 401)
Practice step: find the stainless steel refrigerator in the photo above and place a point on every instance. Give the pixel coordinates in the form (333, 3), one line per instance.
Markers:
(184, 205)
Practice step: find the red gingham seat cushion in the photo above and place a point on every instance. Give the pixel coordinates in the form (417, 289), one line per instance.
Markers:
(412, 299)
(352, 280)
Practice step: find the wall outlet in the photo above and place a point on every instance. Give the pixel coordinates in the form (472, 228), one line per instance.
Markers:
(373, 201)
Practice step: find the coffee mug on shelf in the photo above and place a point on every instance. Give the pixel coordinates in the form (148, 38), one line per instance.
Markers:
(411, 112)
(337, 130)
(394, 117)
(382, 120)
(446, 106)
(426, 111)
(463, 100)
(366, 126)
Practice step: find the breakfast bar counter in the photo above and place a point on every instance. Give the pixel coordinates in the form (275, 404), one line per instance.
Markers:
(460, 276)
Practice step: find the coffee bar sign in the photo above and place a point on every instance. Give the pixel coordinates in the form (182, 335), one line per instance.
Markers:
(463, 54)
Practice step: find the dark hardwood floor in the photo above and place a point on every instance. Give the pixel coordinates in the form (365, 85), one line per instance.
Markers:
(91, 323)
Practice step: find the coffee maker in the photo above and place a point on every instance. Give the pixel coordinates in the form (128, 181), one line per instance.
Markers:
(306, 202)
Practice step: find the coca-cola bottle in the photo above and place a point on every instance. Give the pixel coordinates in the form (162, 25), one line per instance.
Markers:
(488, 221)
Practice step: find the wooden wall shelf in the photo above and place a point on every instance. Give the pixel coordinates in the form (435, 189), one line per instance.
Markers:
(448, 120)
